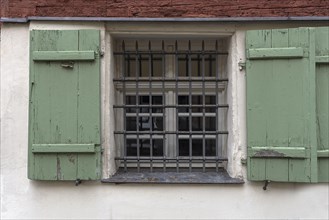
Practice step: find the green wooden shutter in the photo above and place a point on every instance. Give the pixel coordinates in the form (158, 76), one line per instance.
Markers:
(64, 109)
(286, 96)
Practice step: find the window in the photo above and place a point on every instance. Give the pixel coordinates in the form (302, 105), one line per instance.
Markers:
(171, 109)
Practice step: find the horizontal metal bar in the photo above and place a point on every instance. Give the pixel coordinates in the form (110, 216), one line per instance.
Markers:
(275, 53)
(323, 153)
(172, 132)
(322, 59)
(63, 55)
(166, 19)
(171, 106)
(271, 151)
(180, 52)
(207, 159)
(179, 79)
(63, 148)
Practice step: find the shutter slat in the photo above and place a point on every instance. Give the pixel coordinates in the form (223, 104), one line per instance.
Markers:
(275, 53)
(62, 55)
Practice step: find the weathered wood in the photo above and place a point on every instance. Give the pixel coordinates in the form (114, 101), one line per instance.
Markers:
(295, 152)
(275, 53)
(63, 148)
(322, 59)
(276, 107)
(62, 55)
(322, 101)
(55, 107)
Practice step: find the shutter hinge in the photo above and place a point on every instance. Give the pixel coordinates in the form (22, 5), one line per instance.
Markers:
(242, 65)
(243, 161)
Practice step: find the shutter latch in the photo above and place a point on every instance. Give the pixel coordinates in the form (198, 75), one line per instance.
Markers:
(242, 65)
(68, 65)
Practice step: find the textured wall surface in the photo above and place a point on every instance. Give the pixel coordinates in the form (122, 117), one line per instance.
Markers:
(164, 8)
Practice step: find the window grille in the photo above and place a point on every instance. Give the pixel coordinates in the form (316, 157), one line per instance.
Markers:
(170, 117)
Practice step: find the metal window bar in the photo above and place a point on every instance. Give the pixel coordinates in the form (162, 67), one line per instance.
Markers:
(176, 100)
(190, 101)
(138, 66)
(201, 56)
(124, 102)
(163, 57)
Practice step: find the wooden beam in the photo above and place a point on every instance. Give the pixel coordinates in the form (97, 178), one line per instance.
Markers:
(275, 53)
(63, 148)
(279, 152)
(322, 59)
(63, 55)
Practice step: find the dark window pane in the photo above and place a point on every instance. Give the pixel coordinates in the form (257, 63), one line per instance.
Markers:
(210, 66)
(157, 147)
(197, 147)
(144, 100)
(197, 100)
(197, 124)
(183, 100)
(131, 124)
(157, 124)
(144, 147)
(144, 123)
(210, 123)
(210, 147)
(184, 147)
(157, 100)
(182, 65)
(130, 100)
(210, 100)
(131, 145)
(183, 124)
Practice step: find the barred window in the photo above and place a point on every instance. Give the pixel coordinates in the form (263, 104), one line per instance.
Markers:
(171, 105)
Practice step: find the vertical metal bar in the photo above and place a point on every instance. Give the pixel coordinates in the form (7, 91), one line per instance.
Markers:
(203, 109)
(124, 103)
(151, 104)
(163, 105)
(177, 128)
(190, 103)
(138, 68)
(216, 91)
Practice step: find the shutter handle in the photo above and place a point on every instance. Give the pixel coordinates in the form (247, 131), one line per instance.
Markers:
(266, 184)
(77, 182)
(68, 65)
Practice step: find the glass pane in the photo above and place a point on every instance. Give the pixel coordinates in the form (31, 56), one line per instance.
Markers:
(184, 147)
(210, 100)
(183, 124)
(144, 123)
(157, 100)
(131, 145)
(196, 65)
(210, 147)
(157, 147)
(210, 65)
(182, 65)
(183, 100)
(144, 147)
(157, 66)
(196, 100)
(157, 123)
(130, 66)
(210, 123)
(197, 147)
(130, 100)
(144, 100)
(131, 124)
(197, 124)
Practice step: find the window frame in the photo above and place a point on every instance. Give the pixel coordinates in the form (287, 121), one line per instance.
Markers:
(236, 122)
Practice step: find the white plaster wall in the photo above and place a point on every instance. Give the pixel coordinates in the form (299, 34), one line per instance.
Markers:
(25, 199)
